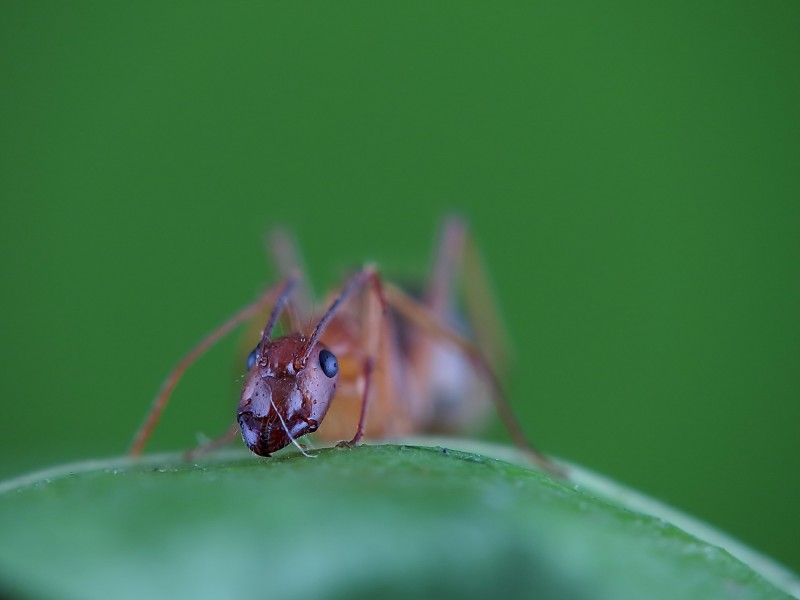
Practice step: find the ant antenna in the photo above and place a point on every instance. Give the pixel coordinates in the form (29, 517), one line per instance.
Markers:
(280, 304)
(355, 282)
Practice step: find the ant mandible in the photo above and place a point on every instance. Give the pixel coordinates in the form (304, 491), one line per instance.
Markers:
(403, 365)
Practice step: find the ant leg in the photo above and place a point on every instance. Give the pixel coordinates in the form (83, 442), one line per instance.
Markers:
(447, 397)
(439, 297)
(459, 262)
(456, 273)
(373, 334)
(282, 247)
(481, 307)
(271, 296)
(390, 411)
(422, 316)
(369, 365)
(226, 438)
(356, 283)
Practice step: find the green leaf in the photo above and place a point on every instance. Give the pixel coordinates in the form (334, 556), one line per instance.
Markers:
(393, 521)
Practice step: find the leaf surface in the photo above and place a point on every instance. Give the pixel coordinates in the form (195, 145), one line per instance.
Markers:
(388, 521)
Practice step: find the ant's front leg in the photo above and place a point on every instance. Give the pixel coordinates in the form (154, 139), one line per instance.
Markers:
(226, 438)
(269, 297)
(369, 366)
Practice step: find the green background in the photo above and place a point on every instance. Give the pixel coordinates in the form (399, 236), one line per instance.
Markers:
(632, 174)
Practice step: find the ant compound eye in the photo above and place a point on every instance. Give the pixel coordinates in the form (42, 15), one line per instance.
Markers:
(251, 359)
(328, 362)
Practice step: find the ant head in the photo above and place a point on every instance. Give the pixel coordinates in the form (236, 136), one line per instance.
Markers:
(288, 390)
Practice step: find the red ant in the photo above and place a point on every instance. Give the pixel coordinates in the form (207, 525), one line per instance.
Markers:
(402, 365)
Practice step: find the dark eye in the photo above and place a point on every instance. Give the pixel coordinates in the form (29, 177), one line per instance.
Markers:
(251, 359)
(328, 362)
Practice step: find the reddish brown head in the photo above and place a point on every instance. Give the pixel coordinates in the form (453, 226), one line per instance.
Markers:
(288, 390)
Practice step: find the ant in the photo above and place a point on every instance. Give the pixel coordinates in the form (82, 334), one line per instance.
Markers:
(404, 365)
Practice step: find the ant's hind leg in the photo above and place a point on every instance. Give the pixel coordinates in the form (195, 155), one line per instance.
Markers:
(428, 322)
(458, 295)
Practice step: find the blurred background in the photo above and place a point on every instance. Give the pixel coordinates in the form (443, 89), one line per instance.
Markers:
(631, 173)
